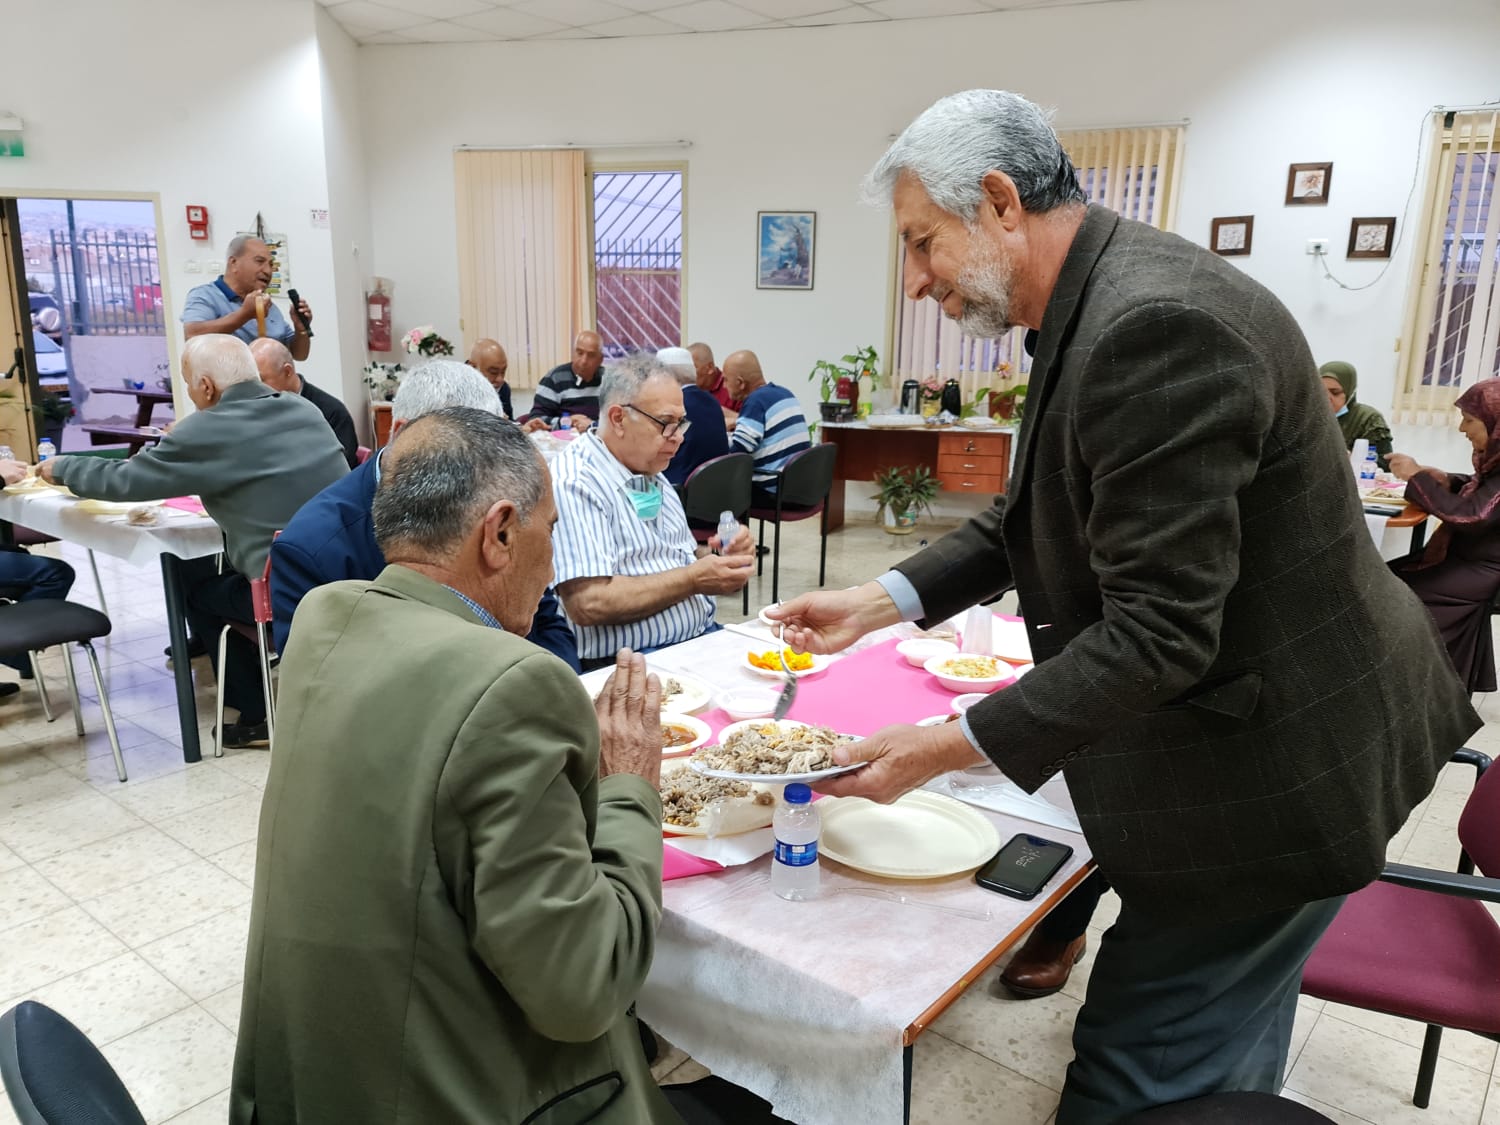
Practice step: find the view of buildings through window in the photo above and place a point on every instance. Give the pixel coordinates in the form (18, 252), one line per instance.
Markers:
(637, 259)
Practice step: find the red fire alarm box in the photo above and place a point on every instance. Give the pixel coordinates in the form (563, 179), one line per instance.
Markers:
(197, 218)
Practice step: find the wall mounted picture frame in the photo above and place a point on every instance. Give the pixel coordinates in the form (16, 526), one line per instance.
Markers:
(1308, 183)
(1230, 236)
(1371, 238)
(785, 241)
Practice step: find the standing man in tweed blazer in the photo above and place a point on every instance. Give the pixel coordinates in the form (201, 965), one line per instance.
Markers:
(1245, 704)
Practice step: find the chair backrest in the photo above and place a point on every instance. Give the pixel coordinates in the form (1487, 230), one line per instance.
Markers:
(720, 484)
(807, 477)
(1479, 826)
(260, 590)
(54, 1075)
(362, 454)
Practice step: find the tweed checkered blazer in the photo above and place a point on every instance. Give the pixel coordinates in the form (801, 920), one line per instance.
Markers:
(1245, 702)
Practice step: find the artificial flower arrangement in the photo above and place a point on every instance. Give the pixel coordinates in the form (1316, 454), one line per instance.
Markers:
(383, 379)
(424, 340)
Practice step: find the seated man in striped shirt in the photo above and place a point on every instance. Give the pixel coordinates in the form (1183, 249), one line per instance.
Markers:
(771, 425)
(570, 388)
(627, 569)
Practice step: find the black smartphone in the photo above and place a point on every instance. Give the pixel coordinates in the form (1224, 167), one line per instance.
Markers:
(1021, 868)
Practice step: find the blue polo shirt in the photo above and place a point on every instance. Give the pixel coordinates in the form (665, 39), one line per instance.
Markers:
(216, 299)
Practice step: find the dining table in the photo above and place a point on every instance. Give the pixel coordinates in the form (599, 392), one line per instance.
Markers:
(180, 530)
(816, 1006)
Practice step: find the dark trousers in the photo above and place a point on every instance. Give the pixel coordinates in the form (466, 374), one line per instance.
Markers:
(213, 599)
(25, 578)
(1177, 1012)
(1069, 918)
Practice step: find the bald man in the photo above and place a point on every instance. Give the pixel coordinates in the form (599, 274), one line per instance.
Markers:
(571, 388)
(489, 359)
(227, 305)
(279, 372)
(771, 424)
(711, 379)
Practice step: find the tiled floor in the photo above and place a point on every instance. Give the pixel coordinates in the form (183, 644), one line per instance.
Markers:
(125, 906)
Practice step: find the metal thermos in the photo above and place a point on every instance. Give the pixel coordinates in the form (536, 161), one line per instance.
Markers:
(911, 397)
(953, 398)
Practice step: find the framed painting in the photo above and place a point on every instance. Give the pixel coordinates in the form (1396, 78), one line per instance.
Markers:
(784, 249)
(1308, 183)
(1230, 236)
(1371, 238)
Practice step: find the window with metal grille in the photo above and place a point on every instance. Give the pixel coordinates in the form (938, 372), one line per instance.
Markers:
(638, 258)
(1135, 171)
(1451, 333)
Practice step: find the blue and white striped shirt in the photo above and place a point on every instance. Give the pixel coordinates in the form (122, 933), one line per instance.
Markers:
(599, 535)
(771, 428)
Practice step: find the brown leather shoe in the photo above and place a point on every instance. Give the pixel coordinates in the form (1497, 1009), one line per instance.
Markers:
(1042, 965)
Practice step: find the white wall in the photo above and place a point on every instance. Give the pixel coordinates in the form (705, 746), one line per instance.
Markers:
(793, 119)
(212, 104)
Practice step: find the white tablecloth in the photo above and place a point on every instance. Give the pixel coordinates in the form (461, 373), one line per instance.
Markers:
(53, 512)
(807, 1003)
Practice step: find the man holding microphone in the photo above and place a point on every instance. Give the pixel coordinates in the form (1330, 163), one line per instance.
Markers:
(236, 303)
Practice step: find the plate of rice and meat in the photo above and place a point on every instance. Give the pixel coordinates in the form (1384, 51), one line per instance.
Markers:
(771, 751)
(694, 805)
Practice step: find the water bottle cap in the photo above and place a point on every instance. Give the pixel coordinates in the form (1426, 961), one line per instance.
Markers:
(725, 516)
(797, 794)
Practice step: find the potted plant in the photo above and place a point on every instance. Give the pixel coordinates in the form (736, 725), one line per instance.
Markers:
(840, 381)
(904, 493)
(383, 380)
(1008, 405)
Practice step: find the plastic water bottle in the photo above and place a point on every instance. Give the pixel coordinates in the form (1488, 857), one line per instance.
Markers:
(1357, 455)
(6, 454)
(1367, 469)
(729, 527)
(45, 450)
(794, 863)
(565, 422)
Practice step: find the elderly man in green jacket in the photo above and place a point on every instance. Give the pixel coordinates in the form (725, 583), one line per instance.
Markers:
(458, 880)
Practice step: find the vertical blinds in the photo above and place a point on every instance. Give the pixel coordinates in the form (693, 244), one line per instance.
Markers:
(523, 254)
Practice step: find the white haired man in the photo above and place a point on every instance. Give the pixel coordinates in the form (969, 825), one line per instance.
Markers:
(333, 537)
(254, 457)
(628, 570)
(228, 303)
(1240, 746)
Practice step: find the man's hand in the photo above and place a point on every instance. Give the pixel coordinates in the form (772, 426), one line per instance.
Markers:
(722, 574)
(536, 424)
(303, 308)
(629, 713)
(741, 544)
(44, 470)
(581, 422)
(832, 621)
(12, 472)
(247, 306)
(901, 759)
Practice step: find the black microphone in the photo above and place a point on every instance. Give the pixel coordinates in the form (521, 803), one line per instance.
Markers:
(297, 312)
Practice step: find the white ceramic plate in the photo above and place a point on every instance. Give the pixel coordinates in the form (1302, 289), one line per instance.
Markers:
(967, 684)
(735, 815)
(937, 720)
(820, 663)
(767, 778)
(114, 507)
(1010, 642)
(694, 696)
(921, 836)
(701, 734)
(766, 621)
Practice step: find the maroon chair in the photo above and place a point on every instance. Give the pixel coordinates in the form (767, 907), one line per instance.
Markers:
(802, 489)
(720, 484)
(362, 454)
(1419, 943)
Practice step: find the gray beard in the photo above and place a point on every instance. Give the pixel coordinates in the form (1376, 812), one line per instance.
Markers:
(986, 289)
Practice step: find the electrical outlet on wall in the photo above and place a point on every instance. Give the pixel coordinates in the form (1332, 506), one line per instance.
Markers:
(191, 266)
(1317, 246)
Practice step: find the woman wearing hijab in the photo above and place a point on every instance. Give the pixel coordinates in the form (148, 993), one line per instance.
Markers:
(1459, 573)
(1356, 420)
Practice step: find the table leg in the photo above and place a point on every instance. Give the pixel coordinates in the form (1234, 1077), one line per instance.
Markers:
(1419, 537)
(835, 505)
(906, 1083)
(182, 666)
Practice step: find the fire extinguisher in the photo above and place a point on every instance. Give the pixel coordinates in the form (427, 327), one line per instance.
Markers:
(378, 320)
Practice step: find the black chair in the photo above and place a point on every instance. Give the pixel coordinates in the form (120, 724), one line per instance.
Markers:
(55, 1076)
(720, 484)
(802, 489)
(1238, 1108)
(33, 626)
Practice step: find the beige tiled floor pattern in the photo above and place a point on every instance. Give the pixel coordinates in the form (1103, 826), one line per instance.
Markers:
(125, 906)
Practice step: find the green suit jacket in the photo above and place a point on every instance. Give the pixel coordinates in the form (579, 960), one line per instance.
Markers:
(452, 913)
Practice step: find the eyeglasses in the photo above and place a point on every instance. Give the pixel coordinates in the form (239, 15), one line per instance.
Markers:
(669, 428)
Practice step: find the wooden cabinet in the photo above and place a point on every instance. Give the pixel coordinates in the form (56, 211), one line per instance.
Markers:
(976, 462)
(382, 418)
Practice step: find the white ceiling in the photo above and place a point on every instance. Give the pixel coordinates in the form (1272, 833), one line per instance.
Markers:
(478, 21)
